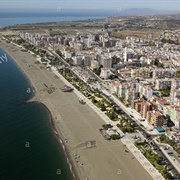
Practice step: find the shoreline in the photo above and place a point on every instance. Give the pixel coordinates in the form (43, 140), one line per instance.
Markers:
(52, 22)
(59, 137)
(61, 142)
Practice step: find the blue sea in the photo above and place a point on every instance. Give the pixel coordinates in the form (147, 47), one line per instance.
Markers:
(56, 15)
(29, 150)
(13, 17)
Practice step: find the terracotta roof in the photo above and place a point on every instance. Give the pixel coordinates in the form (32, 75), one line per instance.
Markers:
(175, 90)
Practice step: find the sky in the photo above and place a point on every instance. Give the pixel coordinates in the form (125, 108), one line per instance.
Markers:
(90, 4)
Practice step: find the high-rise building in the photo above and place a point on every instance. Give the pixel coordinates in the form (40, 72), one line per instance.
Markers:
(155, 118)
(125, 54)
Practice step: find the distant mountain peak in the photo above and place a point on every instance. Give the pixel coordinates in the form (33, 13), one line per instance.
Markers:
(144, 11)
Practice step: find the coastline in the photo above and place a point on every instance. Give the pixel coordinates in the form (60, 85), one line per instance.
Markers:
(62, 143)
(35, 99)
(79, 124)
(56, 21)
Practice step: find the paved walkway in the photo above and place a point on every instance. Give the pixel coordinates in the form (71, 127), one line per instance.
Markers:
(134, 150)
(132, 112)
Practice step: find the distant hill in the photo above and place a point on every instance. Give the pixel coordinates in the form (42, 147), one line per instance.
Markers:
(145, 11)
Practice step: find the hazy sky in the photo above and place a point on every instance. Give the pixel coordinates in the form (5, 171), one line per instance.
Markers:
(90, 4)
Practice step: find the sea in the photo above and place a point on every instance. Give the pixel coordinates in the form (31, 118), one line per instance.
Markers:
(29, 149)
(57, 15)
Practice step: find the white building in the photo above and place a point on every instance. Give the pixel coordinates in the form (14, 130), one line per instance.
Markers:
(77, 60)
(105, 73)
(106, 62)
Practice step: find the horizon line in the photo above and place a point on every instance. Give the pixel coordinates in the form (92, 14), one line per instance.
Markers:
(130, 8)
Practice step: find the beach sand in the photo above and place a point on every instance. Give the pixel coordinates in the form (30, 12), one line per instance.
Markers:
(77, 124)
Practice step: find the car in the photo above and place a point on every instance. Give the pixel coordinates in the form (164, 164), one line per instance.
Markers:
(166, 148)
(170, 153)
(169, 169)
(151, 143)
(141, 119)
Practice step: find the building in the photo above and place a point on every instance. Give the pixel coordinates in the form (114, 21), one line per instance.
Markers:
(115, 87)
(145, 107)
(155, 118)
(164, 73)
(165, 62)
(161, 102)
(77, 60)
(106, 62)
(176, 62)
(144, 90)
(105, 73)
(141, 72)
(125, 55)
(94, 64)
(174, 96)
(163, 84)
(175, 115)
(138, 105)
(87, 59)
(176, 83)
(121, 90)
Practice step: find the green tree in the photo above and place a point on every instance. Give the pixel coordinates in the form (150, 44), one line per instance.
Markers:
(94, 100)
(103, 107)
(115, 136)
(112, 115)
(158, 64)
(97, 71)
(178, 74)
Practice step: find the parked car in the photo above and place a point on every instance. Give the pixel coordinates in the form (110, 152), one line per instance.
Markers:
(170, 153)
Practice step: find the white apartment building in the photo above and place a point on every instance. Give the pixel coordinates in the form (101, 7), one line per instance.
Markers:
(105, 73)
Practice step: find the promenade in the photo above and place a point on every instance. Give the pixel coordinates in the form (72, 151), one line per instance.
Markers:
(133, 149)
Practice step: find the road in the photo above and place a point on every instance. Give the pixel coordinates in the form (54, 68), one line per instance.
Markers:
(174, 160)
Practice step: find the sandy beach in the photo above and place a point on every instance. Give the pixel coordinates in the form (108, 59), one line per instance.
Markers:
(76, 125)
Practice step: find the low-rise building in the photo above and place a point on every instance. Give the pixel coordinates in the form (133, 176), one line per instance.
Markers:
(141, 72)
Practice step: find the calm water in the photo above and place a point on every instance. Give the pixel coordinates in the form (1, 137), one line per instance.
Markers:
(10, 18)
(28, 148)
